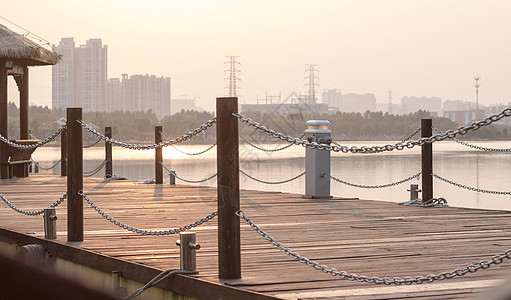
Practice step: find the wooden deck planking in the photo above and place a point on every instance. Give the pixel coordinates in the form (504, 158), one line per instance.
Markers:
(365, 237)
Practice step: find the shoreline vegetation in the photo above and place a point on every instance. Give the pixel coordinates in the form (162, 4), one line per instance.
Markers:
(138, 127)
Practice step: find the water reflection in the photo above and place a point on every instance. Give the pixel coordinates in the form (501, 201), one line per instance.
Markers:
(479, 169)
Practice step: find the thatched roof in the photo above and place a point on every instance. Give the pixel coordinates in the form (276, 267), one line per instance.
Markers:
(17, 47)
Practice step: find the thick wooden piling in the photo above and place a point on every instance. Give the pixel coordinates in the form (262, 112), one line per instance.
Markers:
(108, 154)
(4, 167)
(427, 161)
(74, 176)
(158, 156)
(63, 152)
(229, 247)
(23, 89)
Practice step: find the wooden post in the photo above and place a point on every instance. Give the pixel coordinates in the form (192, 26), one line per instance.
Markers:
(63, 152)
(24, 122)
(158, 156)
(427, 161)
(4, 168)
(228, 181)
(74, 176)
(108, 154)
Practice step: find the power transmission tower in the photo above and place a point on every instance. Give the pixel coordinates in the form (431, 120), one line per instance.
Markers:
(311, 83)
(232, 77)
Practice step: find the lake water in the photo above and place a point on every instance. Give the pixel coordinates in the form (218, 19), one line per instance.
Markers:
(475, 168)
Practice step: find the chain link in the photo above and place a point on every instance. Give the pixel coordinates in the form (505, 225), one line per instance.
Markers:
(273, 182)
(143, 231)
(495, 260)
(474, 146)
(42, 168)
(469, 187)
(180, 139)
(187, 180)
(93, 144)
(366, 149)
(411, 135)
(265, 149)
(159, 278)
(32, 213)
(33, 146)
(417, 176)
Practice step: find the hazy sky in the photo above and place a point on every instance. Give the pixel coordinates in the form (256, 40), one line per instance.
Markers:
(414, 48)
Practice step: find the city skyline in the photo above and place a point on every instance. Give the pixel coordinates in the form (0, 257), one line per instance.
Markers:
(414, 48)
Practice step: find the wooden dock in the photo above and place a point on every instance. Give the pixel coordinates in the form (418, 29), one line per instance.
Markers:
(365, 237)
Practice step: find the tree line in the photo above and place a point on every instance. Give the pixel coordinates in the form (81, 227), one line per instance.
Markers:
(139, 126)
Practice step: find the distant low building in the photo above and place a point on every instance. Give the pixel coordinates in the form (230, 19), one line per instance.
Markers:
(464, 116)
(356, 103)
(177, 105)
(414, 104)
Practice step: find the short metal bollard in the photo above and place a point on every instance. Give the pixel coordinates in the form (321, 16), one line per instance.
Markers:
(414, 191)
(50, 223)
(172, 178)
(188, 250)
(317, 162)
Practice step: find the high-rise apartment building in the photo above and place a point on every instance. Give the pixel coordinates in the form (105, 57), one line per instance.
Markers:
(80, 79)
(357, 103)
(140, 93)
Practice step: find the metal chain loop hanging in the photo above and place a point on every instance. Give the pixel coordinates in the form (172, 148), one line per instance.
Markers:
(195, 153)
(39, 144)
(273, 182)
(157, 279)
(97, 169)
(484, 264)
(32, 213)
(417, 176)
(180, 139)
(411, 135)
(475, 146)
(265, 149)
(93, 144)
(469, 187)
(366, 149)
(43, 168)
(188, 153)
(143, 231)
(187, 180)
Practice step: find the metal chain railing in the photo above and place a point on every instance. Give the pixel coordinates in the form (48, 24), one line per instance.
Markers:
(475, 146)
(265, 149)
(93, 144)
(469, 187)
(366, 149)
(272, 182)
(411, 135)
(39, 144)
(97, 169)
(143, 231)
(43, 168)
(159, 278)
(180, 139)
(484, 264)
(32, 213)
(380, 186)
(187, 180)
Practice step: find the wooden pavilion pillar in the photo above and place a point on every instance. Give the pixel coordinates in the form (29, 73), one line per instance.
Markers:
(23, 88)
(4, 168)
